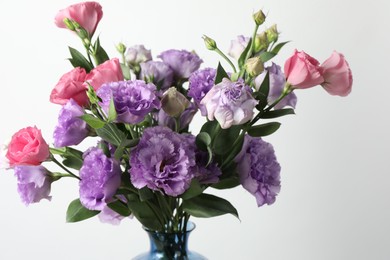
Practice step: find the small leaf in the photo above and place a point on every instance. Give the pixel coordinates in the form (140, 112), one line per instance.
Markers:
(221, 73)
(78, 60)
(194, 190)
(203, 140)
(145, 194)
(278, 113)
(120, 208)
(112, 111)
(111, 133)
(264, 129)
(227, 183)
(77, 212)
(242, 59)
(207, 205)
(224, 140)
(262, 94)
(278, 47)
(92, 121)
(266, 56)
(125, 71)
(100, 53)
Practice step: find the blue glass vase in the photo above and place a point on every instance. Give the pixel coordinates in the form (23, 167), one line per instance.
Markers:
(170, 246)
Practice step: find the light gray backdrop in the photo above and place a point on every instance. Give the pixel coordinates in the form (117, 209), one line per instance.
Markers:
(334, 202)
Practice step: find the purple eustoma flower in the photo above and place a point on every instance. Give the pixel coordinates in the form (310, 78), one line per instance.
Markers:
(70, 130)
(34, 183)
(277, 82)
(100, 178)
(137, 54)
(238, 46)
(133, 99)
(163, 160)
(200, 83)
(258, 169)
(230, 103)
(183, 62)
(158, 72)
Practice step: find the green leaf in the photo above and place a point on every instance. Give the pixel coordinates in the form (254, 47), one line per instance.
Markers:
(224, 140)
(221, 73)
(100, 53)
(242, 59)
(71, 157)
(92, 121)
(143, 212)
(112, 111)
(266, 56)
(278, 47)
(263, 129)
(262, 95)
(111, 133)
(76, 212)
(120, 208)
(194, 190)
(207, 205)
(125, 71)
(203, 140)
(145, 194)
(278, 113)
(228, 183)
(78, 60)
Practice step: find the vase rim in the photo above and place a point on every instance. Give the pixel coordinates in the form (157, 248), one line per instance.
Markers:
(190, 227)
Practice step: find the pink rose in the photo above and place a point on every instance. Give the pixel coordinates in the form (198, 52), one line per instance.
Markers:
(70, 86)
(337, 75)
(109, 71)
(303, 71)
(87, 15)
(27, 147)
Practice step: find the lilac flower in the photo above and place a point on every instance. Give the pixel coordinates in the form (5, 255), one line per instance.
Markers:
(258, 169)
(34, 183)
(200, 83)
(163, 160)
(160, 73)
(133, 100)
(183, 62)
(70, 130)
(100, 178)
(238, 46)
(107, 215)
(277, 82)
(230, 103)
(185, 119)
(137, 54)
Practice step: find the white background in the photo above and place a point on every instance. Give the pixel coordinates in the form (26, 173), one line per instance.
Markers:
(334, 202)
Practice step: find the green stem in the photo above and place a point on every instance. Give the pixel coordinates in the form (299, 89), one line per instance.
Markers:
(226, 58)
(63, 167)
(248, 55)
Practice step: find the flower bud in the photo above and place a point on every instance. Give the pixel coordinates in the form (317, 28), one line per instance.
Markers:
(137, 54)
(261, 42)
(69, 24)
(121, 48)
(210, 43)
(272, 33)
(259, 17)
(254, 66)
(173, 102)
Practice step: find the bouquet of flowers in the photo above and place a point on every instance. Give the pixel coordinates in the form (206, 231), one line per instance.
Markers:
(146, 162)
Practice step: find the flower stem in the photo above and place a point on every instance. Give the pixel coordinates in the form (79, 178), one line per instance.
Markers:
(63, 167)
(226, 58)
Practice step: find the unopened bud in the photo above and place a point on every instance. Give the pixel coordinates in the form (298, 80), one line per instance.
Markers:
(121, 48)
(272, 33)
(254, 66)
(261, 42)
(210, 43)
(69, 24)
(259, 17)
(173, 102)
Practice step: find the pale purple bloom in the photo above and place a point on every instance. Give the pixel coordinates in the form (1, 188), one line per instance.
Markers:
(158, 72)
(277, 82)
(163, 160)
(109, 216)
(133, 99)
(238, 46)
(34, 183)
(137, 54)
(100, 178)
(70, 129)
(230, 103)
(183, 62)
(200, 83)
(258, 169)
(185, 119)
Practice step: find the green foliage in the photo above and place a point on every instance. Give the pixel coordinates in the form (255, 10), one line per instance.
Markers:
(221, 73)
(77, 212)
(263, 129)
(78, 60)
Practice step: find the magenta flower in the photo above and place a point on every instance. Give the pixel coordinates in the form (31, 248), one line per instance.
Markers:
(34, 183)
(230, 103)
(258, 169)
